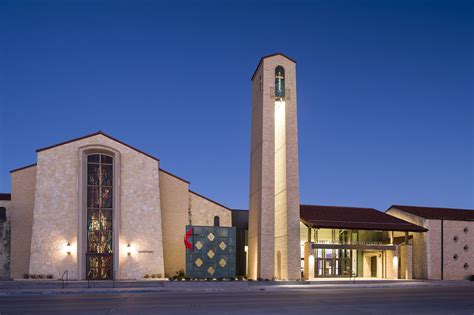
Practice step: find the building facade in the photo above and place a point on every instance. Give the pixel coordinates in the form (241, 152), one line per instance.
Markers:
(445, 251)
(101, 209)
(355, 242)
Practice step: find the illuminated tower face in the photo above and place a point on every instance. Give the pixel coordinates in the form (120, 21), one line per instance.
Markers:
(274, 238)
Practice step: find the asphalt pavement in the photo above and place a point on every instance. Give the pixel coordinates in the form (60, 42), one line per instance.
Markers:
(274, 300)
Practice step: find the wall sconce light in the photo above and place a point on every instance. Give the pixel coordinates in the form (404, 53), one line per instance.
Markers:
(129, 250)
(68, 248)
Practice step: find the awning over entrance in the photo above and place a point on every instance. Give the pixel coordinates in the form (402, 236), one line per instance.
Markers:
(353, 218)
(355, 246)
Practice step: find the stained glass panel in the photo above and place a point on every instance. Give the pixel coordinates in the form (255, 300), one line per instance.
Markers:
(93, 196)
(105, 159)
(93, 174)
(279, 81)
(106, 173)
(106, 197)
(93, 218)
(93, 158)
(99, 217)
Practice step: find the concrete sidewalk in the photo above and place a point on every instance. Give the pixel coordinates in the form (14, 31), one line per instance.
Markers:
(54, 287)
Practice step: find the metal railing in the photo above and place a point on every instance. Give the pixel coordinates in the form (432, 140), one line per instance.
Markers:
(64, 281)
(353, 277)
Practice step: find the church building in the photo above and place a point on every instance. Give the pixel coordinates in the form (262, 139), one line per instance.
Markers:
(97, 208)
(102, 209)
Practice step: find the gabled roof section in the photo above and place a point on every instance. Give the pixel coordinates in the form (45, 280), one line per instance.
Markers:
(437, 213)
(210, 200)
(22, 168)
(95, 134)
(353, 218)
(268, 56)
(175, 176)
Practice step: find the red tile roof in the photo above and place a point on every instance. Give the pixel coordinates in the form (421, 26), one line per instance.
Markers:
(438, 213)
(353, 218)
(5, 196)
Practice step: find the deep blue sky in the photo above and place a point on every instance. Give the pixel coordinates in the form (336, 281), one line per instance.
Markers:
(385, 95)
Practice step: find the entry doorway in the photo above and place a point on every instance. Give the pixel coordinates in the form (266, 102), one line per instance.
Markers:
(373, 266)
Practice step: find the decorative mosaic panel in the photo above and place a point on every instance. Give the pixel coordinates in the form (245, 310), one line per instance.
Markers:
(213, 252)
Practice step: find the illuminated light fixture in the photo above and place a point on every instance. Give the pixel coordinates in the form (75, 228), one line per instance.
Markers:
(68, 248)
(395, 262)
(129, 249)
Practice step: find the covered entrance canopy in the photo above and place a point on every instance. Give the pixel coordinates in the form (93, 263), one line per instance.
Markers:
(347, 241)
(353, 219)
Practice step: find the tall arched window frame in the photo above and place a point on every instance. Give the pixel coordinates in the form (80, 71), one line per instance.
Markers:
(217, 221)
(99, 222)
(279, 82)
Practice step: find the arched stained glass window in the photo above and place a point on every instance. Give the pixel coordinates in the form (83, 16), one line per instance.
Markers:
(279, 81)
(216, 220)
(99, 255)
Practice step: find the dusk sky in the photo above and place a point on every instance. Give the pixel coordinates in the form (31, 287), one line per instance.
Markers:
(385, 91)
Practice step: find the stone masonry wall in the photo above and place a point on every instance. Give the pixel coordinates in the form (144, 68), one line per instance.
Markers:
(458, 250)
(56, 214)
(5, 243)
(203, 211)
(23, 184)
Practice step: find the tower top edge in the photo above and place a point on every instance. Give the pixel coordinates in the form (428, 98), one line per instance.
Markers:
(269, 56)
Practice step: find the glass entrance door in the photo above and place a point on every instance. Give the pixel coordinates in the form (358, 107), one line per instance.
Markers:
(333, 263)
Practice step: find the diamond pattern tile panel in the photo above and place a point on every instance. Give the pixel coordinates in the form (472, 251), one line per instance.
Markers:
(213, 254)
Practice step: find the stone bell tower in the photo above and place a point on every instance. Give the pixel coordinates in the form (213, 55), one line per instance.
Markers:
(274, 236)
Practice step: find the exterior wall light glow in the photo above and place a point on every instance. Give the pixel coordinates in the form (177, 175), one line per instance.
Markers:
(129, 249)
(68, 248)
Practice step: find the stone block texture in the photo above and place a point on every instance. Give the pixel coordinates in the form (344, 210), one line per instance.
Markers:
(435, 257)
(23, 184)
(5, 242)
(274, 250)
(151, 209)
(57, 212)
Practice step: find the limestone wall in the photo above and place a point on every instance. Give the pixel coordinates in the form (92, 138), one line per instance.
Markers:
(458, 252)
(427, 248)
(57, 216)
(274, 185)
(433, 249)
(5, 242)
(23, 184)
(174, 209)
(419, 249)
(203, 211)
(405, 256)
(391, 268)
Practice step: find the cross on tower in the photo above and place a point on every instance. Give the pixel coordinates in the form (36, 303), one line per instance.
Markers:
(280, 78)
